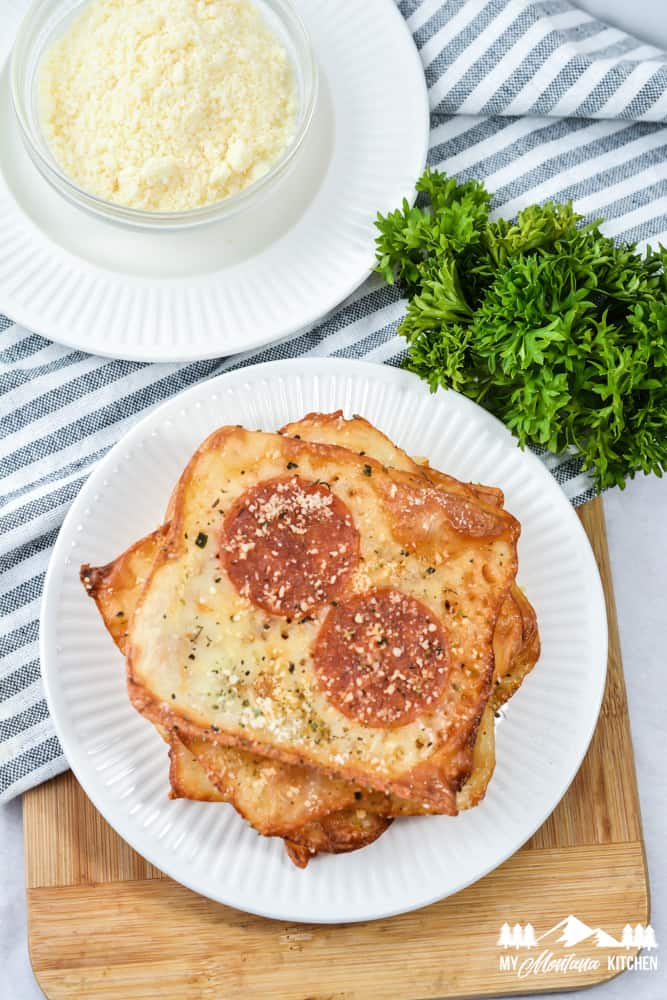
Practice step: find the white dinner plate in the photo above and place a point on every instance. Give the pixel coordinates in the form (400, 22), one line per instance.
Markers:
(121, 761)
(269, 271)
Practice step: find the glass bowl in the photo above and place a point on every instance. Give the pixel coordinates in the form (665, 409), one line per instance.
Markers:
(46, 20)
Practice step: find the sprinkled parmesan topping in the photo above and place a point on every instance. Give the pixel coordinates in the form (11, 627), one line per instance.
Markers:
(379, 684)
(289, 546)
(381, 658)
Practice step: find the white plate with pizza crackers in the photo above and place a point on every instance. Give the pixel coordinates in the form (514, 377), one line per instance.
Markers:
(398, 719)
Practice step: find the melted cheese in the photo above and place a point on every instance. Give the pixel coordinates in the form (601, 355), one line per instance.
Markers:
(209, 655)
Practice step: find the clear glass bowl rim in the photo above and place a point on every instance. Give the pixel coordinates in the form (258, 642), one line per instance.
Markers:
(142, 218)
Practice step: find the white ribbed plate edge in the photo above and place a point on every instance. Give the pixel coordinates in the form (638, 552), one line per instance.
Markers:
(243, 282)
(120, 760)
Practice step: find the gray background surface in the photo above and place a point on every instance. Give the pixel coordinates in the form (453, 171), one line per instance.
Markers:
(637, 530)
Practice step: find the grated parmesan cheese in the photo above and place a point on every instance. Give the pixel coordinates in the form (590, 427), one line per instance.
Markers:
(167, 105)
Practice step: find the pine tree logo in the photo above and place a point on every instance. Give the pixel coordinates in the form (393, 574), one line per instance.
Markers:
(571, 932)
(519, 936)
(639, 937)
(505, 936)
(529, 939)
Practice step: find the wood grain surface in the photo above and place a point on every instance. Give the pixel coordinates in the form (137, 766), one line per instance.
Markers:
(106, 925)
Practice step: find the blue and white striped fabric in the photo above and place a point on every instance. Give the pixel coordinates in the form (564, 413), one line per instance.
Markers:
(537, 99)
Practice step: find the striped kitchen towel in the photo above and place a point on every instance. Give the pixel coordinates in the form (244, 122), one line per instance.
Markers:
(537, 99)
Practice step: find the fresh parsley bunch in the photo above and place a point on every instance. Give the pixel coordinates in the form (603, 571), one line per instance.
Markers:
(549, 324)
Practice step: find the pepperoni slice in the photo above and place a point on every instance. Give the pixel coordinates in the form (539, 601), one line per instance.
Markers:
(289, 545)
(382, 658)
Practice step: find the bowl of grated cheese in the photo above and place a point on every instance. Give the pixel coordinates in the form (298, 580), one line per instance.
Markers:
(163, 114)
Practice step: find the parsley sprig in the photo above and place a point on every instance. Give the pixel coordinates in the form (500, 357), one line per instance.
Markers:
(549, 324)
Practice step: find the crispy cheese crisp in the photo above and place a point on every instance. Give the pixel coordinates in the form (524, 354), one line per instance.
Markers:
(241, 657)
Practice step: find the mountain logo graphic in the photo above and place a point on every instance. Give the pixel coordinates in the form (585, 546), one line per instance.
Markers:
(571, 931)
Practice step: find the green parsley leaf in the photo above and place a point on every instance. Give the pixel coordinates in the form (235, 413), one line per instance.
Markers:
(549, 324)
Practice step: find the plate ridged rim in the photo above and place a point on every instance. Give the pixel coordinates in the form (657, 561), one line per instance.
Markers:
(541, 743)
(293, 281)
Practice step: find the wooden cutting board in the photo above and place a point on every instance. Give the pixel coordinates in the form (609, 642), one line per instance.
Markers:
(103, 923)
